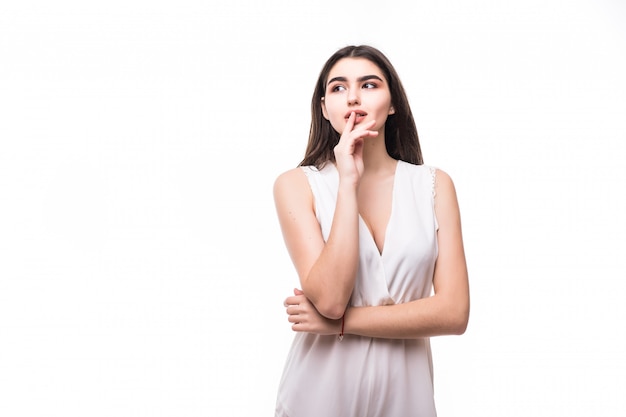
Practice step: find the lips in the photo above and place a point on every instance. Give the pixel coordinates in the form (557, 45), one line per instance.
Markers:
(360, 115)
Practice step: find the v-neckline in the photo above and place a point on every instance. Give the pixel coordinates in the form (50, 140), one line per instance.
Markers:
(381, 250)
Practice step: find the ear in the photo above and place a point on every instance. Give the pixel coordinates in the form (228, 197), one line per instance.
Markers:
(324, 112)
(391, 111)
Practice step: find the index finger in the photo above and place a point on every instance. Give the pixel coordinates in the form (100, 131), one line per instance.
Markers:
(293, 300)
(350, 122)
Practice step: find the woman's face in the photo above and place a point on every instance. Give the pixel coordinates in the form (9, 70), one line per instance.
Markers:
(356, 85)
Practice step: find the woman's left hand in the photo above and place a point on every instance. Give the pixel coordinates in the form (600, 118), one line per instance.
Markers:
(305, 317)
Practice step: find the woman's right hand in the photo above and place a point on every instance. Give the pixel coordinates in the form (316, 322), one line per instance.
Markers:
(349, 150)
(305, 318)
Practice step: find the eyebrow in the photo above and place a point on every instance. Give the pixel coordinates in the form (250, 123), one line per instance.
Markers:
(360, 79)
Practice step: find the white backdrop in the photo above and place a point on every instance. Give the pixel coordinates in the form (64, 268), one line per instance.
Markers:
(142, 270)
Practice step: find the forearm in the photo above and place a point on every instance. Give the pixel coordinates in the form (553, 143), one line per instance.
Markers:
(431, 316)
(331, 279)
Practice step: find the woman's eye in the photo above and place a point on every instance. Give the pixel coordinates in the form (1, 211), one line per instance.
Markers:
(338, 88)
(369, 85)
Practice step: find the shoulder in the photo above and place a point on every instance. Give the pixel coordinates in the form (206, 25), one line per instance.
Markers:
(442, 180)
(290, 176)
(293, 197)
(305, 176)
(444, 193)
(436, 179)
(291, 184)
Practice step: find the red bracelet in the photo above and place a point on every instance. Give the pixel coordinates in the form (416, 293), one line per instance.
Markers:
(342, 323)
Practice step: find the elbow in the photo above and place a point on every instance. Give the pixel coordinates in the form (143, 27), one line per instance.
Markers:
(331, 306)
(459, 327)
(458, 324)
(455, 314)
(333, 311)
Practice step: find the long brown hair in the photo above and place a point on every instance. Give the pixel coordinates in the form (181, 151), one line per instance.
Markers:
(401, 138)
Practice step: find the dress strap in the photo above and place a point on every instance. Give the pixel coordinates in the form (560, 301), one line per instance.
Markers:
(433, 185)
(433, 178)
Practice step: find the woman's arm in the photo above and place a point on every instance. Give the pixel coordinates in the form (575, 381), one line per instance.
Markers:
(327, 271)
(445, 312)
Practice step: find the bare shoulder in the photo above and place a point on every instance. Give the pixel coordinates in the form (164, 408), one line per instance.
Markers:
(292, 190)
(291, 181)
(445, 194)
(443, 180)
(290, 177)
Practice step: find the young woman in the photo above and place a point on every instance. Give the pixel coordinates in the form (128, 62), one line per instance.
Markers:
(375, 237)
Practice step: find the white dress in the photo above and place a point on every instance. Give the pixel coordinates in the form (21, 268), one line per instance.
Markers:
(364, 376)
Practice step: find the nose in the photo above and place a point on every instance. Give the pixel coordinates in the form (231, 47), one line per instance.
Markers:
(353, 97)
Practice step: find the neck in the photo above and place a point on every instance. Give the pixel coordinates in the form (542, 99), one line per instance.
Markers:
(375, 156)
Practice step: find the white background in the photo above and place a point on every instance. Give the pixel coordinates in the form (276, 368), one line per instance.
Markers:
(142, 270)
